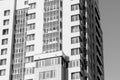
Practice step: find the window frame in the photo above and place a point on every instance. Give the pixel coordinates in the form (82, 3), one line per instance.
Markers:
(5, 41)
(5, 31)
(4, 70)
(6, 12)
(76, 30)
(4, 51)
(6, 22)
(75, 17)
(75, 39)
(3, 62)
(75, 7)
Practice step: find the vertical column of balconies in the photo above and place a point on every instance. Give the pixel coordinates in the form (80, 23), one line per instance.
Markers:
(52, 36)
(99, 45)
(19, 45)
(84, 41)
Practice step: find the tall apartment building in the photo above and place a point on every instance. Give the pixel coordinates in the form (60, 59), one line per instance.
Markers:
(50, 40)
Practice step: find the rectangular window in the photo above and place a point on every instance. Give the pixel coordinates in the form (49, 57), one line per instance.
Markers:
(75, 28)
(29, 48)
(29, 59)
(32, 5)
(75, 7)
(26, 2)
(30, 37)
(3, 62)
(2, 72)
(75, 40)
(31, 26)
(4, 41)
(6, 12)
(4, 51)
(74, 63)
(49, 62)
(29, 70)
(47, 74)
(5, 31)
(75, 76)
(75, 51)
(6, 22)
(75, 17)
(31, 16)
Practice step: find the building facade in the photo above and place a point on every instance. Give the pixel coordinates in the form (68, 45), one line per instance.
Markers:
(51, 40)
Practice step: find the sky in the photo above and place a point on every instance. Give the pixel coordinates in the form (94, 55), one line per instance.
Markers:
(110, 23)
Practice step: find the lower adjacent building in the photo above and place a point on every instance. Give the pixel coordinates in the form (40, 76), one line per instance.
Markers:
(51, 40)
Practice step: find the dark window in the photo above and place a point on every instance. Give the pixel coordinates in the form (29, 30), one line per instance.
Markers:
(75, 17)
(6, 12)
(75, 7)
(75, 40)
(3, 51)
(75, 51)
(2, 72)
(5, 31)
(6, 22)
(4, 41)
(75, 28)
(32, 5)
(3, 62)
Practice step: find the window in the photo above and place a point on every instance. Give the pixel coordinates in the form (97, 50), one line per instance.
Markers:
(75, 75)
(3, 51)
(5, 31)
(31, 26)
(47, 74)
(29, 59)
(30, 37)
(49, 62)
(75, 7)
(26, 2)
(29, 48)
(6, 12)
(6, 22)
(3, 62)
(32, 5)
(53, 5)
(75, 17)
(75, 40)
(29, 70)
(51, 47)
(75, 28)
(2, 72)
(75, 51)
(4, 41)
(74, 63)
(31, 16)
